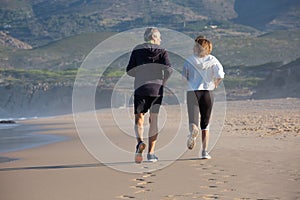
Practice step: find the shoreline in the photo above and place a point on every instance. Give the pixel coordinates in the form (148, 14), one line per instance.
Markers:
(36, 127)
(21, 118)
(22, 135)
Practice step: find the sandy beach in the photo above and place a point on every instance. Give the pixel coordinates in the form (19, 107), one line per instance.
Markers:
(257, 156)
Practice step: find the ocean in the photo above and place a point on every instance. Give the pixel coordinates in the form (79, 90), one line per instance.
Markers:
(20, 136)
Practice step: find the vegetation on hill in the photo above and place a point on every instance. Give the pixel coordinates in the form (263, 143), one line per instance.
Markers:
(63, 33)
(247, 60)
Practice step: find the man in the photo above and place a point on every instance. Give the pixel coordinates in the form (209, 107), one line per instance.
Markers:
(150, 66)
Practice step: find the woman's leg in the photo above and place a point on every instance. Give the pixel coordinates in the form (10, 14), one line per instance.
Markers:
(205, 104)
(193, 108)
(193, 115)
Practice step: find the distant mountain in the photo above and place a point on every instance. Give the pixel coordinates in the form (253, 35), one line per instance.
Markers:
(283, 81)
(44, 42)
(268, 14)
(39, 22)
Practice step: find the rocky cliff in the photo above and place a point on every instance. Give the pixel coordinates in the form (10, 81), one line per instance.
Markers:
(9, 41)
(282, 82)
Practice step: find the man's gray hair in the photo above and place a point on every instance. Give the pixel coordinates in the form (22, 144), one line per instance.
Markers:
(149, 33)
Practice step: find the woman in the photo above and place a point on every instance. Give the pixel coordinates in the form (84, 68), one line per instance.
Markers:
(203, 72)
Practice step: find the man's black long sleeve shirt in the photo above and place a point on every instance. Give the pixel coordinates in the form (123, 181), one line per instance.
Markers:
(150, 66)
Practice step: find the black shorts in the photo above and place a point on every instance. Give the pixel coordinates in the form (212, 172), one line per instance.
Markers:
(144, 103)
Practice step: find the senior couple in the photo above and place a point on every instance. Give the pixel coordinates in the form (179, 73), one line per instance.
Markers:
(150, 66)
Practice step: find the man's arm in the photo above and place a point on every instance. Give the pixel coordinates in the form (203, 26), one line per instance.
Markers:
(130, 69)
(168, 68)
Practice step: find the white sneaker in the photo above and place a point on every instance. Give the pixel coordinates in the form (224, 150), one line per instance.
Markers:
(205, 155)
(191, 142)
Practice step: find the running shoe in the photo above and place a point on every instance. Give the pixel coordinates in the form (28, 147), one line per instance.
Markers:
(205, 155)
(191, 142)
(152, 157)
(139, 150)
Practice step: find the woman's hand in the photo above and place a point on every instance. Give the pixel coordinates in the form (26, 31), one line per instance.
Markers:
(217, 82)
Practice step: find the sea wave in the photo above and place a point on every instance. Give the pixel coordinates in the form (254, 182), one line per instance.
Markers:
(18, 136)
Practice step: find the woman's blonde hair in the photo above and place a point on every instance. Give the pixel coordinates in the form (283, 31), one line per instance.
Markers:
(203, 47)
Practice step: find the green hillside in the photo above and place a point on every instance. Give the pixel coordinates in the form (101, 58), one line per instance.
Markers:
(278, 46)
(59, 55)
(63, 33)
(247, 60)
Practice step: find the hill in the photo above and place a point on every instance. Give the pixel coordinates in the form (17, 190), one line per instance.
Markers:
(283, 81)
(43, 43)
(268, 14)
(38, 22)
(241, 50)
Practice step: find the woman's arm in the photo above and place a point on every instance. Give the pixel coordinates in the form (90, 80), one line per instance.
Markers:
(217, 82)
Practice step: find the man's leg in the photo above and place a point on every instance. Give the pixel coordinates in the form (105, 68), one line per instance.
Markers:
(153, 132)
(153, 128)
(139, 129)
(139, 126)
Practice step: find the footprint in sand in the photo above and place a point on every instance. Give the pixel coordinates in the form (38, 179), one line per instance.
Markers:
(211, 196)
(209, 186)
(215, 179)
(142, 183)
(148, 174)
(126, 197)
(195, 195)
(214, 183)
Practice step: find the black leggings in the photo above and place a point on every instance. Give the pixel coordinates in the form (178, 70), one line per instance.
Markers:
(200, 101)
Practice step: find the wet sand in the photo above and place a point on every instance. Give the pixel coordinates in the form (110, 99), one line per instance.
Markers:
(257, 156)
